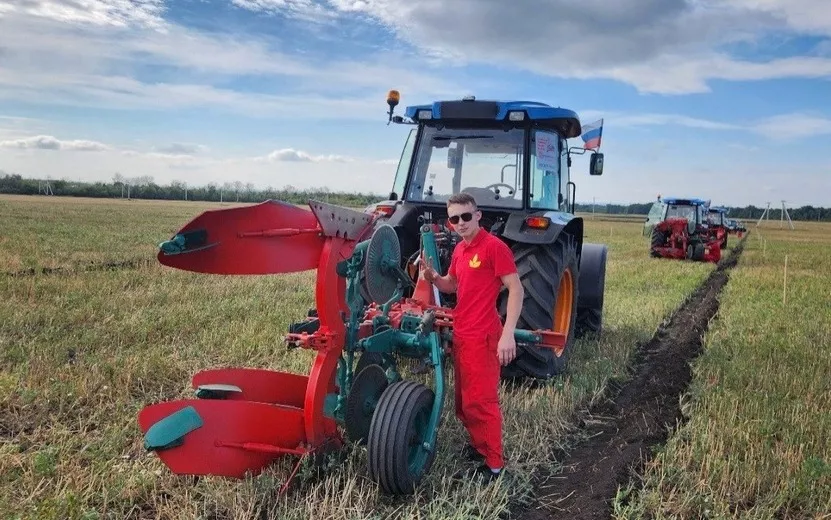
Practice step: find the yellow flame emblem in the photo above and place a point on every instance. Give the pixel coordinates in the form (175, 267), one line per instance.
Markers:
(475, 262)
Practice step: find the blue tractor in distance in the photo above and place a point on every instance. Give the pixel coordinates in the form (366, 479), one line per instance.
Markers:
(514, 158)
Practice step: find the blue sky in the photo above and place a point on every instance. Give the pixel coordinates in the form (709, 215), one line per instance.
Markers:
(720, 99)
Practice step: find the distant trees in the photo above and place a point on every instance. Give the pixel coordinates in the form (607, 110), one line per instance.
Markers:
(145, 187)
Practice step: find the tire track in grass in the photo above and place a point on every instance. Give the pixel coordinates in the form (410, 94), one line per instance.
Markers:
(620, 431)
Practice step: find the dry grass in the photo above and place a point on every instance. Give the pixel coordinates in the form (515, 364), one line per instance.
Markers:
(82, 352)
(757, 444)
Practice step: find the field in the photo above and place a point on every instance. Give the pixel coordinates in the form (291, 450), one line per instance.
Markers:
(92, 329)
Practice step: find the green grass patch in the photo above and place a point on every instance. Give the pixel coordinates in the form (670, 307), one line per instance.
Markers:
(757, 443)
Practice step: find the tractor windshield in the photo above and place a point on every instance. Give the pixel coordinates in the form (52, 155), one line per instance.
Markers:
(716, 218)
(677, 210)
(487, 163)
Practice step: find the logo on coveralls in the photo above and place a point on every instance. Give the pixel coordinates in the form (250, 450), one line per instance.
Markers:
(475, 262)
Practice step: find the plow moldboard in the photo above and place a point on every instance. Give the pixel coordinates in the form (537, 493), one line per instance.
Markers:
(251, 240)
(205, 450)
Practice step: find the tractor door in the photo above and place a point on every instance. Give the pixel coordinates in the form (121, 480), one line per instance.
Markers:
(656, 214)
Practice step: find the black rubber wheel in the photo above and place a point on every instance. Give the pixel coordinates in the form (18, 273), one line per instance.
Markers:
(659, 239)
(541, 268)
(698, 252)
(592, 289)
(396, 459)
(724, 242)
(367, 388)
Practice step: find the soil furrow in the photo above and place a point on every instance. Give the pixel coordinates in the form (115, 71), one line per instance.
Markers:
(621, 430)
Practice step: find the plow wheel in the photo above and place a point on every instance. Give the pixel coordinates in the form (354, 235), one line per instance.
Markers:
(397, 460)
(366, 391)
(549, 275)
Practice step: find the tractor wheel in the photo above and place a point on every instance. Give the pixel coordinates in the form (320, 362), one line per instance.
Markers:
(550, 277)
(724, 242)
(659, 238)
(592, 283)
(395, 453)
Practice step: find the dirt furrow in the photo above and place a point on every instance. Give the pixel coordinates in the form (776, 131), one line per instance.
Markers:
(621, 430)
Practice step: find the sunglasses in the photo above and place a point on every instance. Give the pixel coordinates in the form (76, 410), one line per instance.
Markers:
(464, 216)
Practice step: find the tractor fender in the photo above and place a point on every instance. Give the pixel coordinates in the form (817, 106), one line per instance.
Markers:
(517, 230)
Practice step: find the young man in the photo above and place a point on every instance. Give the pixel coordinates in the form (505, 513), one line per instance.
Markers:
(480, 265)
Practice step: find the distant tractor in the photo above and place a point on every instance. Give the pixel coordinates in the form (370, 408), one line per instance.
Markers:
(678, 228)
(717, 224)
(735, 227)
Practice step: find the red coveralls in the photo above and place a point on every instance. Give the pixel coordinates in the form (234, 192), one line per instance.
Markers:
(477, 267)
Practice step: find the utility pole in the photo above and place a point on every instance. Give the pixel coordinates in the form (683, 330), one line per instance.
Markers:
(764, 213)
(785, 214)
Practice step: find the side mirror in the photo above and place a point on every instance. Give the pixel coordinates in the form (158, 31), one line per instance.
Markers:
(596, 165)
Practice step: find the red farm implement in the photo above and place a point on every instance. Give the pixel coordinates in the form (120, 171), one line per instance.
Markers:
(373, 307)
(678, 229)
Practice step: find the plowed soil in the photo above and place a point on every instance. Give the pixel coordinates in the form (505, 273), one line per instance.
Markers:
(621, 430)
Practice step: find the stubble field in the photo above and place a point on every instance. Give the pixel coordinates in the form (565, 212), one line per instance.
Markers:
(92, 329)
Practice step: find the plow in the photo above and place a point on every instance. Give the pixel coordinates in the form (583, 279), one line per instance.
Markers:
(374, 310)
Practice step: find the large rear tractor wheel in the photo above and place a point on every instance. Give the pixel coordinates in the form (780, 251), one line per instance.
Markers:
(397, 458)
(550, 277)
(659, 239)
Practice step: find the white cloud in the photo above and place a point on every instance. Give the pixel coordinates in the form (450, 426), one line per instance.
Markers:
(105, 67)
(116, 13)
(796, 126)
(657, 46)
(182, 149)
(292, 155)
(48, 142)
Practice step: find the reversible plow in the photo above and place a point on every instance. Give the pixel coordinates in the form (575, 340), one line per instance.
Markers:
(240, 420)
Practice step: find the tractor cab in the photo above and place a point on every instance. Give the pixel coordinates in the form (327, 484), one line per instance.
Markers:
(717, 217)
(511, 156)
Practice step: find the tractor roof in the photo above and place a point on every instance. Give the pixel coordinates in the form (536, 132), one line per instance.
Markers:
(469, 109)
(718, 209)
(684, 202)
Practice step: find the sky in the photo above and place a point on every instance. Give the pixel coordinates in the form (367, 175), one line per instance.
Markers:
(728, 100)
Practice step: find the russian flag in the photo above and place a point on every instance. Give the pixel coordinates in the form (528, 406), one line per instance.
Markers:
(592, 134)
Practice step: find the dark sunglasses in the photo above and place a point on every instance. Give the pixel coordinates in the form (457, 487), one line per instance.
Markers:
(465, 216)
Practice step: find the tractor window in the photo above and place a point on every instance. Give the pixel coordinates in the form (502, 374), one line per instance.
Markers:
(545, 170)
(483, 162)
(404, 165)
(687, 212)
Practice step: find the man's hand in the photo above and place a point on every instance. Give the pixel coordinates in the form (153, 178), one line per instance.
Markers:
(506, 350)
(430, 273)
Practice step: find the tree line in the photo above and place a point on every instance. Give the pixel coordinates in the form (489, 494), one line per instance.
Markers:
(146, 188)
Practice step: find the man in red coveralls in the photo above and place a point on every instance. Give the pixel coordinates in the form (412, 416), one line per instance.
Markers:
(480, 265)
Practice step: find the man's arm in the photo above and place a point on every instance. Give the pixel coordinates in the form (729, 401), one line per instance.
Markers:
(506, 349)
(515, 295)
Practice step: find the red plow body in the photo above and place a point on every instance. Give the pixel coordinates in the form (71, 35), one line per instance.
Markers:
(672, 239)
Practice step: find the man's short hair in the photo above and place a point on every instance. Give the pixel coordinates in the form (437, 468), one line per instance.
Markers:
(463, 199)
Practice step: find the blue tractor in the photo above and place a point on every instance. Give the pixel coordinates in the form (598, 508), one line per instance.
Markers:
(514, 158)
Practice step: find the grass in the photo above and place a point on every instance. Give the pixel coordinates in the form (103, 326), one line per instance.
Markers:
(82, 352)
(757, 443)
